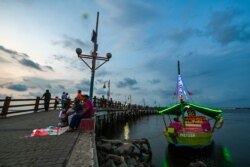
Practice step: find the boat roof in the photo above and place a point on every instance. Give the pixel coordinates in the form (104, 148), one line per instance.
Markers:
(176, 109)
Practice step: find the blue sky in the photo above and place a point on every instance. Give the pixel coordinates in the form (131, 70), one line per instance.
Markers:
(146, 38)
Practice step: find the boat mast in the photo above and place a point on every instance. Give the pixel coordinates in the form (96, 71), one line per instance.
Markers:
(181, 96)
(179, 84)
(179, 71)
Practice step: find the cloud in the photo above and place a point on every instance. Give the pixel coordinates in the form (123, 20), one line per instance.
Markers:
(49, 68)
(56, 86)
(70, 62)
(84, 85)
(61, 86)
(33, 94)
(24, 59)
(100, 92)
(180, 36)
(18, 87)
(34, 65)
(2, 60)
(101, 73)
(24, 2)
(234, 102)
(133, 13)
(30, 63)
(165, 93)
(2, 96)
(226, 27)
(5, 84)
(128, 82)
(154, 81)
(8, 50)
(71, 43)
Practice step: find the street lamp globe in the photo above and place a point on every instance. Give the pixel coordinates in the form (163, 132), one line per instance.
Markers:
(108, 55)
(78, 51)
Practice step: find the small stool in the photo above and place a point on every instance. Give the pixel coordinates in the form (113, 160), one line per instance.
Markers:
(87, 125)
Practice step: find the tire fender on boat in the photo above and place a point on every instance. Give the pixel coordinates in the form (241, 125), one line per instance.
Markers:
(219, 123)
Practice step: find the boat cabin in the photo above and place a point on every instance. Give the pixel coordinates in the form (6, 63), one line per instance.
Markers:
(192, 123)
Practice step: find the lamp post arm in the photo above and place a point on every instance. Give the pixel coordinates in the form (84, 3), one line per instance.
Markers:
(86, 63)
(85, 56)
(102, 58)
(100, 65)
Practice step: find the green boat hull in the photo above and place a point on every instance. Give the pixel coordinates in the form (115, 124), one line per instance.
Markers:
(195, 140)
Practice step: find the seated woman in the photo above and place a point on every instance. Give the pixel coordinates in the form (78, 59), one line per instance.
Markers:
(176, 124)
(71, 112)
(206, 126)
(85, 111)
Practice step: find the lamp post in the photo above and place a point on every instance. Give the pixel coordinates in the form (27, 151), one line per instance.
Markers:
(104, 86)
(144, 102)
(94, 57)
(130, 99)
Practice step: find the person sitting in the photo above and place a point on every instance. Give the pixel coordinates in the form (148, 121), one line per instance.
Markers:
(79, 96)
(72, 111)
(191, 112)
(85, 111)
(206, 126)
(57, 102)
(176, 124)
(176, 119)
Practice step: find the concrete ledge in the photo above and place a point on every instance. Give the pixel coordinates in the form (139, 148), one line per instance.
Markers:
(83, 153)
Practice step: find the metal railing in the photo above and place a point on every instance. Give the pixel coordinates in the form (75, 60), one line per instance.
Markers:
(9, 106)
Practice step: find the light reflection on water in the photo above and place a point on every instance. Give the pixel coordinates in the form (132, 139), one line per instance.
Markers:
(230, 148)
(126, 131)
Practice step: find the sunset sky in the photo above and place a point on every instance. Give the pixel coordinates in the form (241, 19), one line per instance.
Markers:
(211, 39)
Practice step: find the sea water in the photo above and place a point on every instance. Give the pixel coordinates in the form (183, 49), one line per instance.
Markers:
(230, 147)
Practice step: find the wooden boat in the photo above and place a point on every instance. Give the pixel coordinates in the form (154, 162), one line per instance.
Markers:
(192, 123)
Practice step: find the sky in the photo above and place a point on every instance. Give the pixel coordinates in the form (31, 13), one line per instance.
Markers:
(210, 38)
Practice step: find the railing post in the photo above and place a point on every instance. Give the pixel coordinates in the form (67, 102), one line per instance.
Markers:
(6, 106)
(55, 104)
(36, 104)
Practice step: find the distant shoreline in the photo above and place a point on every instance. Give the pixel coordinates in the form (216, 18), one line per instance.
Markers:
(236, 108)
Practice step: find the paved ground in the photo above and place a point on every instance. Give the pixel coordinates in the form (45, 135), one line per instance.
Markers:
(18, 149)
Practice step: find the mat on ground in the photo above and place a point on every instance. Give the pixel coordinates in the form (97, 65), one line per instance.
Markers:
(51, 130)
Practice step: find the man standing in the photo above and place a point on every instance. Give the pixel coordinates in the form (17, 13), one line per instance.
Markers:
(63, 100)
(46, 97)
(86, 112)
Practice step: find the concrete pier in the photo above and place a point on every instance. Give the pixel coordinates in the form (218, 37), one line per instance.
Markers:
(17, 148)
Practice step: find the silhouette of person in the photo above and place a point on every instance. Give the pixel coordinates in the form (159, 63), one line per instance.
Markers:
(46, 97)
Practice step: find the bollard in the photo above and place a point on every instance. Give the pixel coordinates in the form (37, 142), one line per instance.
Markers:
(6, 106)
(36, 104)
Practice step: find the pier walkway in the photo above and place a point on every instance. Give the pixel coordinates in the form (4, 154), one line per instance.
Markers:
(17, 148)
